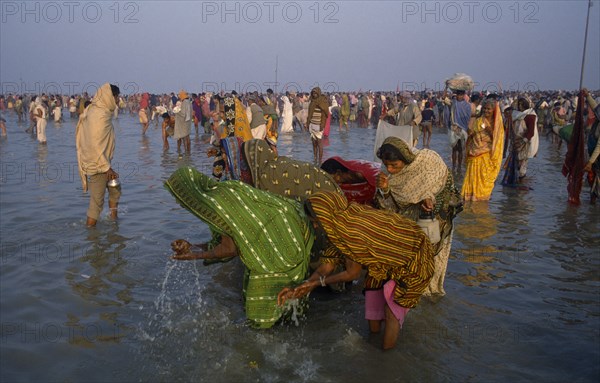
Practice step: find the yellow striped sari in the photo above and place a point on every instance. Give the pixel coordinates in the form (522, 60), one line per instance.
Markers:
(390, 246)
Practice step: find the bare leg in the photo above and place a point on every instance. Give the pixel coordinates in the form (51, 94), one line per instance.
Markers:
(392, 329)
(375, 326)
(320, 152)
(113, 206)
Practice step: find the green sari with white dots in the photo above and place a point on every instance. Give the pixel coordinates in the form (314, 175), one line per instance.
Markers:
(271, 233)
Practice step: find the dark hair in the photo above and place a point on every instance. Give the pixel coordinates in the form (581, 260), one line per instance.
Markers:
(115, 90)
(523, 101)
(331, 166)
(388, 152)
(85, 104)
(488, 101)
(165, 115)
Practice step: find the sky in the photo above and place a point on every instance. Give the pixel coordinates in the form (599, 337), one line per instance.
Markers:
(163, 46)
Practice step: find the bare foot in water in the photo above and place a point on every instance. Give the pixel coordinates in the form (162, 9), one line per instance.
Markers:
(391, 331)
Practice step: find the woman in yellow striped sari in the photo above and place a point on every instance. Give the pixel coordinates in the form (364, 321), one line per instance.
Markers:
(395, 251)
(484, 153)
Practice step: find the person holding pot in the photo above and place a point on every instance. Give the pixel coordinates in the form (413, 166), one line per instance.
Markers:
(418, 184)
(95, 142)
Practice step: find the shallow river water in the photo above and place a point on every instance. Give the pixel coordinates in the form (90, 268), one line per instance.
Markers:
(107, 304)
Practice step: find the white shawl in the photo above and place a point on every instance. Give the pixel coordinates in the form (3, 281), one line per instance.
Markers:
(95, 135)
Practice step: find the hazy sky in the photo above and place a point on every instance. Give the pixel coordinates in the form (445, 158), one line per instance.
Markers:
(163, 46)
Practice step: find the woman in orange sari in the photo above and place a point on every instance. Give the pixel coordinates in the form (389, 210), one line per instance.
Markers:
(484, 153)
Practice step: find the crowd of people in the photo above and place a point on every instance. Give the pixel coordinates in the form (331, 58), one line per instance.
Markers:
(283, 217)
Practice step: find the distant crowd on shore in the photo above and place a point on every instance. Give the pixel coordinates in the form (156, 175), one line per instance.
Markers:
(365, 107)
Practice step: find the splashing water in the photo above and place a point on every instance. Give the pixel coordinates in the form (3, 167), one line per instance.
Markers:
(294, 305)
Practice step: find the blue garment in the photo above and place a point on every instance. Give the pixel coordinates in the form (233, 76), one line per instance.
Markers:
(461, 113)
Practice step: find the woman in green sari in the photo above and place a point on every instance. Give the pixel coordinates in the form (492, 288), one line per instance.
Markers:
(269, 233)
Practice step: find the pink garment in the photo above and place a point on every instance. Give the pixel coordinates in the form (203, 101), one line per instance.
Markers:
(376, 300)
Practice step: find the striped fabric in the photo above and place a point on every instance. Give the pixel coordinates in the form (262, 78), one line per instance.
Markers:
(390, 246)
(270, 232)
(316, 117)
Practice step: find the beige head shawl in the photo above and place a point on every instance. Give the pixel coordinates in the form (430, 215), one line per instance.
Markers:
(423, 177)
(407, 154)
(95, 136)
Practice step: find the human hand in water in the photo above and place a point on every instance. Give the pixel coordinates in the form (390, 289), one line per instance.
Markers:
(285, 294)
(297, 292)
(181, 246)
(184, 250)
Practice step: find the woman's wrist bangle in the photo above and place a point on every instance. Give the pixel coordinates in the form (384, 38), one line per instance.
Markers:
(322, 280)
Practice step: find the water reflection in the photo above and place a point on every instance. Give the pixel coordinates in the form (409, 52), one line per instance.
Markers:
(99, 277)
(474, 230)
(476, 224)
(42, 154)
(144, 153)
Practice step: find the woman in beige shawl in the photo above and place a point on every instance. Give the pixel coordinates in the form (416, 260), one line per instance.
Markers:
(419, 180)
(95, 142)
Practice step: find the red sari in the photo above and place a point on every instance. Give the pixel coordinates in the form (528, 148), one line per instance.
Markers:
(363, 192)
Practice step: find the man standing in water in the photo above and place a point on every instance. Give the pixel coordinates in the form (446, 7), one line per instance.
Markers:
(183, 122)
(95, 142)
(460, 115)
(318, 110)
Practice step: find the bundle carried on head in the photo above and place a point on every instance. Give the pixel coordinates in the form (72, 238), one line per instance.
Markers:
(460, 81)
